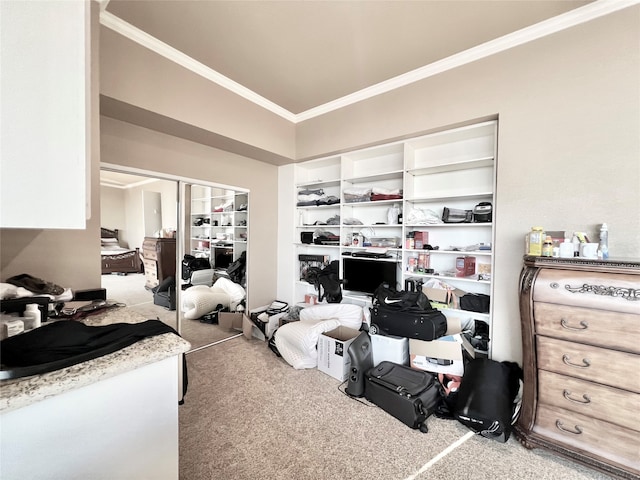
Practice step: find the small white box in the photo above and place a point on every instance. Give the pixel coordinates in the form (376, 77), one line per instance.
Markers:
(333, 356)
(389, 348)
(444, 355)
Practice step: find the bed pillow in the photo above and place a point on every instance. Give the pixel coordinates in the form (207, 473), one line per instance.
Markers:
(109, 242)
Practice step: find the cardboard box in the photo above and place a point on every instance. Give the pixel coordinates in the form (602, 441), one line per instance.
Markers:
(333, 357)
(251, 330)
(444, 296)
(389, 348)
(420, 239)
(465, 266)
(230, 321)
(447, 354)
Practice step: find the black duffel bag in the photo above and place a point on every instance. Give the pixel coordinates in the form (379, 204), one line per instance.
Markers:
(416, 324)
(406, 314)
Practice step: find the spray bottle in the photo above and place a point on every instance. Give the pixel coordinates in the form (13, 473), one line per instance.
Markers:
(603, 248)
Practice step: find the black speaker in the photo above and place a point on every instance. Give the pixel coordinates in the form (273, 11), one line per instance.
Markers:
(361, 361)
(306, 237)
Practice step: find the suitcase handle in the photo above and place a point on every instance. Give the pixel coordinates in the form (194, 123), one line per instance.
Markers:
(390, 386)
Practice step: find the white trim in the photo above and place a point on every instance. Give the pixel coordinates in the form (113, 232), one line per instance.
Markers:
(550, 26)
(167, 176)
(118, 25)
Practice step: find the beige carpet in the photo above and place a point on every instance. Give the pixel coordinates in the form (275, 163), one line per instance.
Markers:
(249, 415)
(129, 289)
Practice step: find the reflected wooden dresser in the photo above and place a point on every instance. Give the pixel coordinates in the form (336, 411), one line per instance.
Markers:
(581, 360)
(159, 259)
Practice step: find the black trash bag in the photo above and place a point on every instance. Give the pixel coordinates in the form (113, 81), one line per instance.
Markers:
(237, 270)
(326, 281)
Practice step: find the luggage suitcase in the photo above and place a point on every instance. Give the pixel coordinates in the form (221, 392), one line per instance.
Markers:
(485, 399)
(419, 325)
(409, 395)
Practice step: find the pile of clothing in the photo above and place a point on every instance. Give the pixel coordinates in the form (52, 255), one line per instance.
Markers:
(371, 194)
(314, 197)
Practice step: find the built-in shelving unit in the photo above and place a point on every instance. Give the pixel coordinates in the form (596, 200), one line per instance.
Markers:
(452, 168)
(219, 224)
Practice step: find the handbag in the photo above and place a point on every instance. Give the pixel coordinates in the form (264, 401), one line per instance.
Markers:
(456, 215)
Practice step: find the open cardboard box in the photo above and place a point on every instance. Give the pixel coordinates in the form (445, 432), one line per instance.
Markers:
(444, 297)
(447, 354)
(333, 356)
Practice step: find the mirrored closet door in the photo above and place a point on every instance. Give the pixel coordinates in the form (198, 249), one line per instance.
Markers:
(160, 222)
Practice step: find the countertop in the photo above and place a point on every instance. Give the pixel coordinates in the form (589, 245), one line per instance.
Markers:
(20, 392)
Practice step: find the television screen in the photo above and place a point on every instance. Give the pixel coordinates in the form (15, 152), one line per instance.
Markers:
(362, 275)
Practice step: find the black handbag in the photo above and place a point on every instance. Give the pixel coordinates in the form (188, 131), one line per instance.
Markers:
(456, 215)
(475, 302)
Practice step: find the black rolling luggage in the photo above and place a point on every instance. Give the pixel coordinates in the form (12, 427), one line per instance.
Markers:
(409, 395)
(406, 313)
(419, 325)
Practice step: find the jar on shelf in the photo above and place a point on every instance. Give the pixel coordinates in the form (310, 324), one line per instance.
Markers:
(536, 239)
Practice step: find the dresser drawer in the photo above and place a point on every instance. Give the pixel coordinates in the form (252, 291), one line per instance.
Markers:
(602, 291)
(613, 443)
(149, 249)
(591, 399)
(608, 367)
(596, 327)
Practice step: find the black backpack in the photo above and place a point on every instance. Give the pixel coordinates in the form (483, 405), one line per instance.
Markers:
(327, 281)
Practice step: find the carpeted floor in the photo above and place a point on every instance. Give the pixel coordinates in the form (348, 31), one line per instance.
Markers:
(129, 289)
(249, 415)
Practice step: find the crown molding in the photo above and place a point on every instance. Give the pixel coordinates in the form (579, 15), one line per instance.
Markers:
(118, 25)
(539, 30)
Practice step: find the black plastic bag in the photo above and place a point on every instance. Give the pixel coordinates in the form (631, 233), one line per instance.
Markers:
(327, 282)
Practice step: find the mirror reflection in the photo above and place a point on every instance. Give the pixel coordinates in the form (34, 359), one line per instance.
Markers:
(174, 251)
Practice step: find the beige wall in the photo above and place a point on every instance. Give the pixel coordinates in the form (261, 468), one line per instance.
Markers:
(137, 76)
(569, 140)
(132, 146)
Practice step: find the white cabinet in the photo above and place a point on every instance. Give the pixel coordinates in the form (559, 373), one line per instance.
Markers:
(45, 114)
(219, 224)
(420, 176)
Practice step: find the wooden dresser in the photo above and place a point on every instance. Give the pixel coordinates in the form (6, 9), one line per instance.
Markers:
(159, 259)
(581, 360)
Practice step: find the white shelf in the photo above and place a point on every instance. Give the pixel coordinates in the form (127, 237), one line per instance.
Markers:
(448, 278)
(459, 253)
(444, 198)
(450, 225)
(318, 184)
(452, 168)
(395, 175)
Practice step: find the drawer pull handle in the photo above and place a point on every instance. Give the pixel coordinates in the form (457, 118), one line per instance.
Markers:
(567, 395)
(585, 362)
(583, 325)
(576, 429)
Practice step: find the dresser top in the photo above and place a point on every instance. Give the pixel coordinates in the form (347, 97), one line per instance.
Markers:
(611, 265)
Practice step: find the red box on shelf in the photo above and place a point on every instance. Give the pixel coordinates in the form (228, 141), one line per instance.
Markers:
(420, 239)
(465, 266)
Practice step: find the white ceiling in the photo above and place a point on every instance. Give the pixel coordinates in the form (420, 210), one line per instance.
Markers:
(297, 57)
